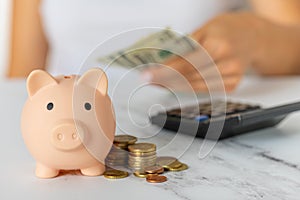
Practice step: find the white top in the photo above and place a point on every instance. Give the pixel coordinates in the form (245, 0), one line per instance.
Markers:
(75, 27)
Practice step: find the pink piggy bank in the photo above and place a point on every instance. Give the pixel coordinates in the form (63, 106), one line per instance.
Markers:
(68, 122)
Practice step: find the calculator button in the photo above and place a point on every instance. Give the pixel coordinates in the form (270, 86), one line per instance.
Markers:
(201, 118)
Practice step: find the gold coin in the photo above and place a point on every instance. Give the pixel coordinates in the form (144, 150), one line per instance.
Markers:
(142, 147)
(154, 178)
(165, 161)
(173, 165)
(154, 169)
(141, 159)
(141, 154)
(115, 174)
(127, 139)
(120, 146)
(141, 166)
(181, 168)
(144, 156)
(140, 174)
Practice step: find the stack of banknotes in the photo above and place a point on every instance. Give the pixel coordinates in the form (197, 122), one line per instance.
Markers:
(156, 48)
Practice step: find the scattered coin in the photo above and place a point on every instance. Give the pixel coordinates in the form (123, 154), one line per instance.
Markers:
(174, 164)
(115, 174)
(154, 178)
(181, 168)
(140, 174)
(154, 169)
(165, 161)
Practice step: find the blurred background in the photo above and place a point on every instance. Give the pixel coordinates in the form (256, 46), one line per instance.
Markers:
(5, 15)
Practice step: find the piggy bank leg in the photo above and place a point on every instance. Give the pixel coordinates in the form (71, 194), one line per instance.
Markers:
(96, 170)
(43, 171)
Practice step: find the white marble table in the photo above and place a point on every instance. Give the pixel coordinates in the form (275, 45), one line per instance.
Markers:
(261, 165)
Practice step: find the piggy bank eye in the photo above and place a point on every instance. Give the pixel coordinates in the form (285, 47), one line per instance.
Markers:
(87, 106)
(50, 106)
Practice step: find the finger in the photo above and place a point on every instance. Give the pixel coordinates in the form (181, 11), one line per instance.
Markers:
(162, 74)
(189, 61)
(213, 75)
(184, 65)
(228, 84)
(221, 69)
(218, 49)
(199, 34)
(165, 77)
(227, 71)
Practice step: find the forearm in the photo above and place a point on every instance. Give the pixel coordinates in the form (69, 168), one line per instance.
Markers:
(28, 43)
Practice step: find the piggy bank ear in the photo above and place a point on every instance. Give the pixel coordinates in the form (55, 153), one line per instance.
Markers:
(95, 78)
(38, 79)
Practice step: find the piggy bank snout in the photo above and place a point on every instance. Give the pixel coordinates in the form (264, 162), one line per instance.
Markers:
(68, 135)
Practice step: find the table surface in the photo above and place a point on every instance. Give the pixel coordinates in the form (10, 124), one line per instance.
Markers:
(263, 164)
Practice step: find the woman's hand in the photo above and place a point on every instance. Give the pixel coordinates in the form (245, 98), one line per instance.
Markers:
(234, 41)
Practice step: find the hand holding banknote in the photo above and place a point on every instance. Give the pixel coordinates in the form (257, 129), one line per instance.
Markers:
(216, 54)
(234, 41)
(223, 39)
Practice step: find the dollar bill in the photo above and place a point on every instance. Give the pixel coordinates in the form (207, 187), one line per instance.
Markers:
(155, 48)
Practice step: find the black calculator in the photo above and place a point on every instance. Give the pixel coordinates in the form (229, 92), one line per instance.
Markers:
(234, 118)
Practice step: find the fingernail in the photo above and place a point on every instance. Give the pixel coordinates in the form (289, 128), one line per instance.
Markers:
(147, 76)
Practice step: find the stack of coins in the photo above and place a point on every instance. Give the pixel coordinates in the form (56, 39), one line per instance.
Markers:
(141, 158)
(118, 155)
(141, 155)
